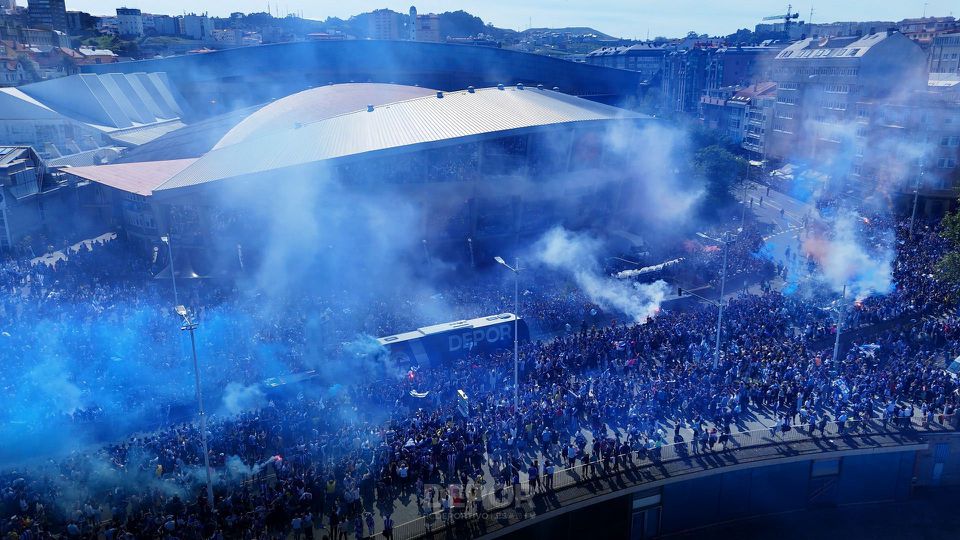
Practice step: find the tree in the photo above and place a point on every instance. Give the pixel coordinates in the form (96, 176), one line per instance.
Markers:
(948, 267)
(29, 67)
(460, 24)
(721, 171)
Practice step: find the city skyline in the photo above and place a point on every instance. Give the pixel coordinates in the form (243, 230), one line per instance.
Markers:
(618, 18)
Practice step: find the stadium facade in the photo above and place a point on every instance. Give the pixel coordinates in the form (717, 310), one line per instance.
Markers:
(485, 165)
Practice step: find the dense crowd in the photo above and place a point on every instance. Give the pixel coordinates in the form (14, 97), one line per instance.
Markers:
(338, 458)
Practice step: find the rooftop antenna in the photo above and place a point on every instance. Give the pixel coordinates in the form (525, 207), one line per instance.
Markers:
(925, 4)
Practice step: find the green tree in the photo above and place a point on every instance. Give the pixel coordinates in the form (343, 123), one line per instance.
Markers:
(948, 267)
(721, 171)
(29, 67)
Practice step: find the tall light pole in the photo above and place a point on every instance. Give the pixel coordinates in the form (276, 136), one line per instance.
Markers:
(726, 241)
(916, 196)
(173, 278)
(190, 326)
(516, 327)
(838, 308)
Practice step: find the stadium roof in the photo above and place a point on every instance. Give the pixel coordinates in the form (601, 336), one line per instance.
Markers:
(190, 141)
(107, 102)
(393, 125)
(319, 104)
(138, 178)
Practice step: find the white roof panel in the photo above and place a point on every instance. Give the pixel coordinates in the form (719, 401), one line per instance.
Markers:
(404, 123)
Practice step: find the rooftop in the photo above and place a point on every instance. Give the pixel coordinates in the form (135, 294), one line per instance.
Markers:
(138, 178)
(437, 117)
(835, 47)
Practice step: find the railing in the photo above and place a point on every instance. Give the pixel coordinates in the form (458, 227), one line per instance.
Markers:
(504, 506)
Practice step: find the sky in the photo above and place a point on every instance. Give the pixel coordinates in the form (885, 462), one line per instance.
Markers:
(620, 18)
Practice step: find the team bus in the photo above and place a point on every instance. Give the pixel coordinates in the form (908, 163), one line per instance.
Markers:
(441, 344)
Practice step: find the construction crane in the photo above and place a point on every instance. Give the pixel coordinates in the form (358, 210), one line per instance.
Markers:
(787, 19)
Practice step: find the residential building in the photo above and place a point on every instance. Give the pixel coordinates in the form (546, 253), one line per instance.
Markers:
(43, 40)
(272, 34)
(719, 116)
(48, 14)
(428, 28)
(13, 73)
(160, 25)
(93, 56)
(819, 81)
(925, 29)
(684, 79)
(945, 53)
(795, 30)
(21, 179)
(738, 66)
(79, 22)
(741, 115)
(759, 100)
(107, 25)
(847, 28)
(199, 27)
(129, 22)
(384, 24)
(916, 144)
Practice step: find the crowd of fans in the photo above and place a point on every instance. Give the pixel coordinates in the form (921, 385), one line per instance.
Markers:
(340, 459)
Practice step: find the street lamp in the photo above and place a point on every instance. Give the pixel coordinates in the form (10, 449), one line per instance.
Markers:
(726, 240)
(190, 326)
(916, 196)
(516, 326)
(838, 308)
(714, 303)
(173, 278)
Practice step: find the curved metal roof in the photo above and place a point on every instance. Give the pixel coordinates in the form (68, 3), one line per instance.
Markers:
(318, 104)
(398, 124)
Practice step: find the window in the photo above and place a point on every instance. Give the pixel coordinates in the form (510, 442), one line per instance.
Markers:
(947, 163)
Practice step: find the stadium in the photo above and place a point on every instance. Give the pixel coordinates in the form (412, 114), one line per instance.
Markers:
(331, 290)
(486, 165)
(222, 81)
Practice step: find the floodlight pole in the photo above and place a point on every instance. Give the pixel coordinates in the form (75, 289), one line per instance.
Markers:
(726, 241)
(516, 327)
(173, 278)
(916, 196)
(723, 285)
(190, 326)
(836, 343)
